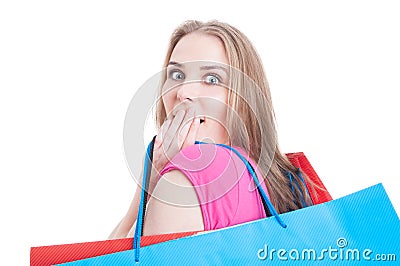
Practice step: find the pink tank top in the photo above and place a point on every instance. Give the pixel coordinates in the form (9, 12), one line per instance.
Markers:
(225, 189)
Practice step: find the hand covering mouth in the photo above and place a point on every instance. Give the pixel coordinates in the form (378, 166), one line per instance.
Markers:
(174, 112)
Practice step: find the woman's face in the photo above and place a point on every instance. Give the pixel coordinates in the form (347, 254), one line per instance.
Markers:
(197, 76)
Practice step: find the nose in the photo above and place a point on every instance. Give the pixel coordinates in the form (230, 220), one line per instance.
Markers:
(187, 91)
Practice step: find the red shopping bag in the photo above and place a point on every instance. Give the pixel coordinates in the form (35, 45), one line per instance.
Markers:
(321, 195)
(56, 254)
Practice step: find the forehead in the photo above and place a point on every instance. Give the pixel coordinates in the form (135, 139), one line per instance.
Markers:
(199, 46)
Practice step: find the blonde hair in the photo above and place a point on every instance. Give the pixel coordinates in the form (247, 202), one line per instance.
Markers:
(259, 118)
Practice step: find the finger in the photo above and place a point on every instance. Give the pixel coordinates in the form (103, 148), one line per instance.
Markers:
(181, 133)
(161, 133)
(170, 134)
(186, 124)
(191, 136)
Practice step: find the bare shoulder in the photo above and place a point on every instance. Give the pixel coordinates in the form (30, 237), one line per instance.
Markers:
(176, 177)
(173, 206)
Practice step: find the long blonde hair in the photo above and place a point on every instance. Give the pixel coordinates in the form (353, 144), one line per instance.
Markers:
(259, 118)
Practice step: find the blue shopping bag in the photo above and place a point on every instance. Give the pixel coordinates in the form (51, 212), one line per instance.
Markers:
(360, 228)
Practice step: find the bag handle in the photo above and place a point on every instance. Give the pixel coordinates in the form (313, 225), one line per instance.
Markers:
(143, 197)
(254, 175)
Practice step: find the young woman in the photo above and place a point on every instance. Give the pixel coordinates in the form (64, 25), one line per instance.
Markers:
(214, 90)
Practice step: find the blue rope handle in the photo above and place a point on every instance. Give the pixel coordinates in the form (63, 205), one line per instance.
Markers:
(304, 183)
(139, 219)
(298, 172)
(254, 175)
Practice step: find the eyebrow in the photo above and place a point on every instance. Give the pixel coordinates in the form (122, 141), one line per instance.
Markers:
(202, 67)
(174, 63)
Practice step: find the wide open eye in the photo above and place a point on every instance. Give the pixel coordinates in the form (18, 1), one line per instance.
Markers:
(176, 75)
(212, 79)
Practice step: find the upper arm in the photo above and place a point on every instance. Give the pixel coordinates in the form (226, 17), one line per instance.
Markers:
(173, 206)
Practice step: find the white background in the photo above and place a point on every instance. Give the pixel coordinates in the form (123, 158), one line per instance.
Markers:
(68, 70)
